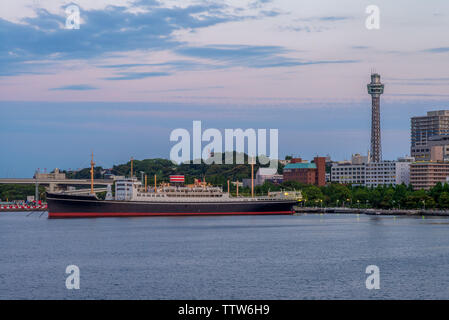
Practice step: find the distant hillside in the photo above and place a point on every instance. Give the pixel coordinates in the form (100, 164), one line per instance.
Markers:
(216, 174)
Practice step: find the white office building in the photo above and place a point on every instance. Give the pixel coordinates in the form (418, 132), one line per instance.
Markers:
(403, 170)
(388, 172)
(381, 173)
(372, 174)
(348, 173)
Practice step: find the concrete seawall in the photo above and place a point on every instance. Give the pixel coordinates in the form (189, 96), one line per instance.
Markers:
(382, 212)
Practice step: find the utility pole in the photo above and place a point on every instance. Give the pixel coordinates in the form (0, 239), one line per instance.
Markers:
(36, 191)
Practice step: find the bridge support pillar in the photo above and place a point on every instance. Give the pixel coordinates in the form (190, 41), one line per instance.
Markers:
(36, 192)
(52, 187)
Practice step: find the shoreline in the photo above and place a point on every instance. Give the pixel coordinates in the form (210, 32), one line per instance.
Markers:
(314, 210)
(374, 212)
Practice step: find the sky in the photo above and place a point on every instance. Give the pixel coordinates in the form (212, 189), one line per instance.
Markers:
(136, 70)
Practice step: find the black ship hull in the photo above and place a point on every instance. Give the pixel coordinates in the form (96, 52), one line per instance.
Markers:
(72, 206)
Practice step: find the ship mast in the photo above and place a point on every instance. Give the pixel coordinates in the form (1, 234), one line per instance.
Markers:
(92, 163)
(252, 177)
(237, 187)
(132, 159)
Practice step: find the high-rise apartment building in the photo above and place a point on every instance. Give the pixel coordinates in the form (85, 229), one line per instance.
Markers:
(427, 135)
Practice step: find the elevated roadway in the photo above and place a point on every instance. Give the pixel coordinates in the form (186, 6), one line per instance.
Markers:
(67, 182)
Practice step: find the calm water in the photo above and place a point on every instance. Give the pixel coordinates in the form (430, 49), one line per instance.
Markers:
(260, 257)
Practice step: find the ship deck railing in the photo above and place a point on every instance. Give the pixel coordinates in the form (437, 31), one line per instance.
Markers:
(212, 199)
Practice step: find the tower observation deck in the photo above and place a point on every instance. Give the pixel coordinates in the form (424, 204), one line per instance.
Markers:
(375, 89)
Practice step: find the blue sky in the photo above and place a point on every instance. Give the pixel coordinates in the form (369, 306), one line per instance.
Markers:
(135, 70)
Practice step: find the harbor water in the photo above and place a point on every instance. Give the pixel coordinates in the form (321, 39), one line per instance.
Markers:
(308, 256)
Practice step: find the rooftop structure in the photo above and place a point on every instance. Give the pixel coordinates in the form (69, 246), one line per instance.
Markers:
(359, 159)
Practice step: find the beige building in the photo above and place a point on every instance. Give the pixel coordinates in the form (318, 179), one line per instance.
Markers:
(359, 159)
(56, 175)
(426, 174)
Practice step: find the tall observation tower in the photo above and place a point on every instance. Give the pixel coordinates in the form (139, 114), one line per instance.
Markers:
(375, 89)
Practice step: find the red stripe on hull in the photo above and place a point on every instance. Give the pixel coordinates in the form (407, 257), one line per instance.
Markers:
(145, 214)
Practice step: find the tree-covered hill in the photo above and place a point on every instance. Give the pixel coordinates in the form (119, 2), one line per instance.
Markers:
(216, 174)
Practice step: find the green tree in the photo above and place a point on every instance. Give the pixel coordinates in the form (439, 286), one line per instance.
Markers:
(443, 201)
(312, 193)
